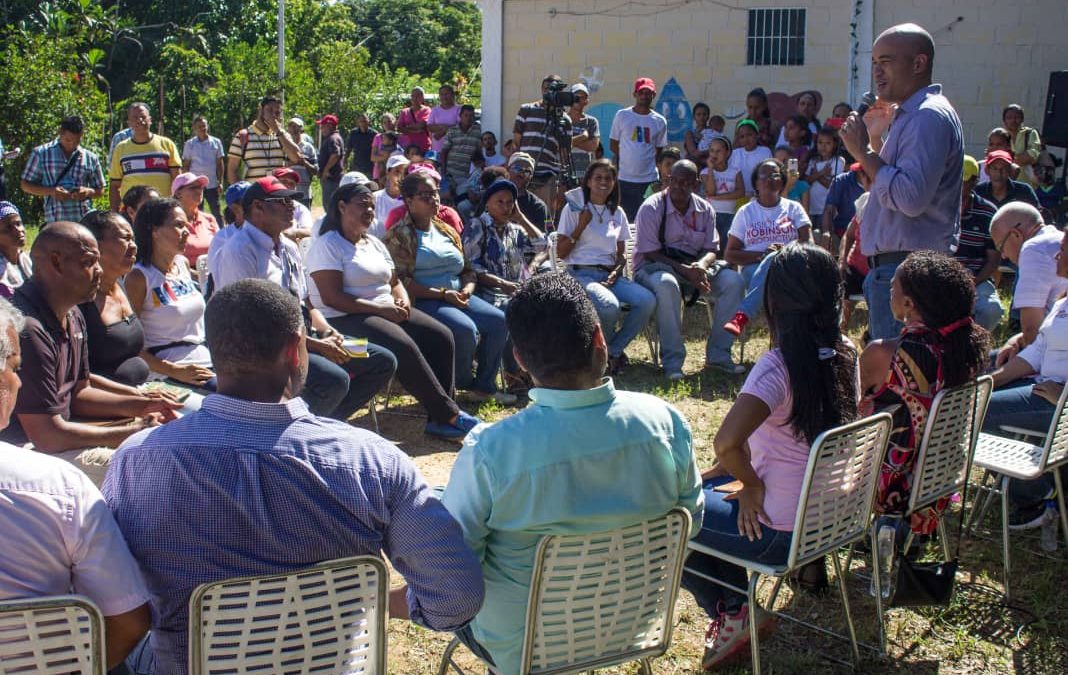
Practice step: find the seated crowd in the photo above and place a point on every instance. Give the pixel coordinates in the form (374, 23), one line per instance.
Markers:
(269, 331)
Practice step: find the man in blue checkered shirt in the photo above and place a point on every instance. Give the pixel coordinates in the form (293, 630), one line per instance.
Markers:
(67, 175)
(253, 484)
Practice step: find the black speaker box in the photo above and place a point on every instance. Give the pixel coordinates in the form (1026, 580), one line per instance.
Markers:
(1055, 123)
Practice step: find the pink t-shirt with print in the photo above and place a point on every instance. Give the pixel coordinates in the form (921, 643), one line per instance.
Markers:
(758, 227)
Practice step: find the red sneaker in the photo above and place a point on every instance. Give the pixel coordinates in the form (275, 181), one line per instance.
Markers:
(736, 325)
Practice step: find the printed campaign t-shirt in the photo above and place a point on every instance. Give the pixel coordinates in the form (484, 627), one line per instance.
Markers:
(758, 227)
(638, 136)
(724, 184)
(147, 163)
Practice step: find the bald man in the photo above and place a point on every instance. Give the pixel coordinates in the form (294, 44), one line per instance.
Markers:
(917, 169)
(55, 361)
(1019, 233)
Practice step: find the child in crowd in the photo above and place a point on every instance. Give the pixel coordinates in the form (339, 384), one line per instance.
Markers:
(665, 159)
(998, 139)
(757, 110)
(1050, 191)
(723, 186)
(748, 153)
(821, 171)
(798, 138)
(414, 153)
(853, 263)
(760, 229)
(489, 150)
(716, 123)
(793, 187)
(692, 138)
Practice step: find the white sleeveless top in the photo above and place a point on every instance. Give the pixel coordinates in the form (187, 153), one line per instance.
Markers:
(173, 312)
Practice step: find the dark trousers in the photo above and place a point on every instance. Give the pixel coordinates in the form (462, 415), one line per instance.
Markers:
(424, 350)
(211, 198)
(631, 196)
(339, 390)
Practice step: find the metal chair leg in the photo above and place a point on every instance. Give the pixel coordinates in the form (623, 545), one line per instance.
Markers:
(1060, 502)
(979, 512)
(446, 658)
(645, 667)
(849, 615)
(943, 537)
(754, 633)
(374, 414)
(877, 582)
(775, 593)
(1005, 533)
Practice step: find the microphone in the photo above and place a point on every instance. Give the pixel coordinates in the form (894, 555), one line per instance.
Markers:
(867, 101)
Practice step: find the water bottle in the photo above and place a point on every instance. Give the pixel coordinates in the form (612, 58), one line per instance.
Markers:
(886, 532)
(1050, 528)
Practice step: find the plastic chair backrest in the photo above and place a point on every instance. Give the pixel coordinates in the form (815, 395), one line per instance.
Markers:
(52, 636)
(839, 487)
(606, 598)
(948, 443)
(1055, 451)
(329, 618)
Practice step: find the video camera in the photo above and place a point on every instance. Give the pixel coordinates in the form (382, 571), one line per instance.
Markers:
(558, 95)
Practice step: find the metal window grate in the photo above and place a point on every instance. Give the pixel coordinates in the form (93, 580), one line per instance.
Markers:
(776, 37)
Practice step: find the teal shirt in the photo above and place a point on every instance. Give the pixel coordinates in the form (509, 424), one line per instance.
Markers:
(573, 462)
(438, 262)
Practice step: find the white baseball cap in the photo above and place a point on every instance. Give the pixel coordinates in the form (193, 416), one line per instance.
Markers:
(396, 160)
(354, 177)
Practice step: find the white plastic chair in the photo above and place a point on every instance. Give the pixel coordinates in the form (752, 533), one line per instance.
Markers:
(1005, 459)
(598, 600)
(555, 262)
(328, 618)
(835, 510)
(202, 273)
(52, 636)
(943, 461)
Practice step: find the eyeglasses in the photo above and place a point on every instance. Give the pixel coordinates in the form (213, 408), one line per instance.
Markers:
(284, 201)
(769, 176)
(428, 196)
(1000, 245)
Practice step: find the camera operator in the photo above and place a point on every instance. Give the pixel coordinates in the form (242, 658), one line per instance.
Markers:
(637, 133)
(543, 130)
(585, 131)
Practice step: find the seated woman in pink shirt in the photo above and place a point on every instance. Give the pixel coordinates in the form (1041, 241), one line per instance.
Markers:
(188, 189)
(805, 384)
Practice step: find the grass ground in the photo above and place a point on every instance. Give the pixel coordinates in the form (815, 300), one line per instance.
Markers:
(975, 634)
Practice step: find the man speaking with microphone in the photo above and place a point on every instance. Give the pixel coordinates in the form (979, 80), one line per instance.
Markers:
(917, 170)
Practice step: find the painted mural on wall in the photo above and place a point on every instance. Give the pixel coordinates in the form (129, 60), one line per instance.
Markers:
(674, 106)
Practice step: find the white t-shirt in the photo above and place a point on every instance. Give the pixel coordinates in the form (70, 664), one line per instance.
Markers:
(745, 161)
(817, 194)
(1038, 284)
(302, 217)
(759, 227)
(599, 241)
(496, 159)
(639, 136)
(384, 204)
(59, 536)
(1048, 354)
(365, 269)
(724, 183)
(705, 140)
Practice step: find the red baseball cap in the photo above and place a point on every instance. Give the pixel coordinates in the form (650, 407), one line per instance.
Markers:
(286, 172)
(644, 83)
(328, 119)
(996, 155)
(265, 187)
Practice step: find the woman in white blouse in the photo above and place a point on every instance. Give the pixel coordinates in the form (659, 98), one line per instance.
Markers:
(355, 286)
(593, 232)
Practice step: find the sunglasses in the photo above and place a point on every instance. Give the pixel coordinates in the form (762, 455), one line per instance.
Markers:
(284, 201)
(520, 171)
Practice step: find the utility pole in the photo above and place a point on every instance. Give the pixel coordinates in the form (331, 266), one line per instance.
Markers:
(282, 42)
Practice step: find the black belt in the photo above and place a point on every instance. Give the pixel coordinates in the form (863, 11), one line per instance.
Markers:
(891, 258)
(600, 268)
(180, 343)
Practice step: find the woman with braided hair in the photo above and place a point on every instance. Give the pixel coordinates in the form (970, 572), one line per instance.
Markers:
(940, 346)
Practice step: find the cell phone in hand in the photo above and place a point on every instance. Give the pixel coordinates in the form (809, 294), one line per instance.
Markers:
(791, 165)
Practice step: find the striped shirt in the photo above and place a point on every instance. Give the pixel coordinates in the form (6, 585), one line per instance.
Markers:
(545, 149)
(241, 488)
(461, 146)
(975, 239)
(149, 163)
(44, 167)
(260, 150)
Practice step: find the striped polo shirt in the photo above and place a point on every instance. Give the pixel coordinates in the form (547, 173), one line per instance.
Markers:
(149, 163)
(259, 148)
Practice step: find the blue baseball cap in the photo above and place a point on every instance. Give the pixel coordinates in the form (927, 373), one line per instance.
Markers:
(236, 192)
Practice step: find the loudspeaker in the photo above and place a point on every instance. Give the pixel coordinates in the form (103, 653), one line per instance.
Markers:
(1055, 124)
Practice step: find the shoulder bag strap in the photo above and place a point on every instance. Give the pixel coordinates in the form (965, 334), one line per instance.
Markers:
(70, 163)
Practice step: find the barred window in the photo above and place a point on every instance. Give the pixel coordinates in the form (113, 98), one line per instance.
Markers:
(776, 37)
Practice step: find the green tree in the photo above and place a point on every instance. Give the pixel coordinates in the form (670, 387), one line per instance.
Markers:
(42, 84)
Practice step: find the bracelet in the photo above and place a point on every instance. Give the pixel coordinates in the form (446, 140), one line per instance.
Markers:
(442, 292)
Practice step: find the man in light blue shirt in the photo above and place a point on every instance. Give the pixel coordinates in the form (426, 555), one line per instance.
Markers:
(918, 169)
(582, 458)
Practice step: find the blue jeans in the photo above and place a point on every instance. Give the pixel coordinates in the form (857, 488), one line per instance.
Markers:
(881, 321)
(754, 275)
(631, 196)
(988, 309)
(607, 300)
(719, 530)
(1015, 405)
(727, 289)
(478, 331)
(338, 391)
(723, 226)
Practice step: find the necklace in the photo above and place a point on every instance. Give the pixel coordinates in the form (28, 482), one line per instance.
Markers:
(599, 211)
